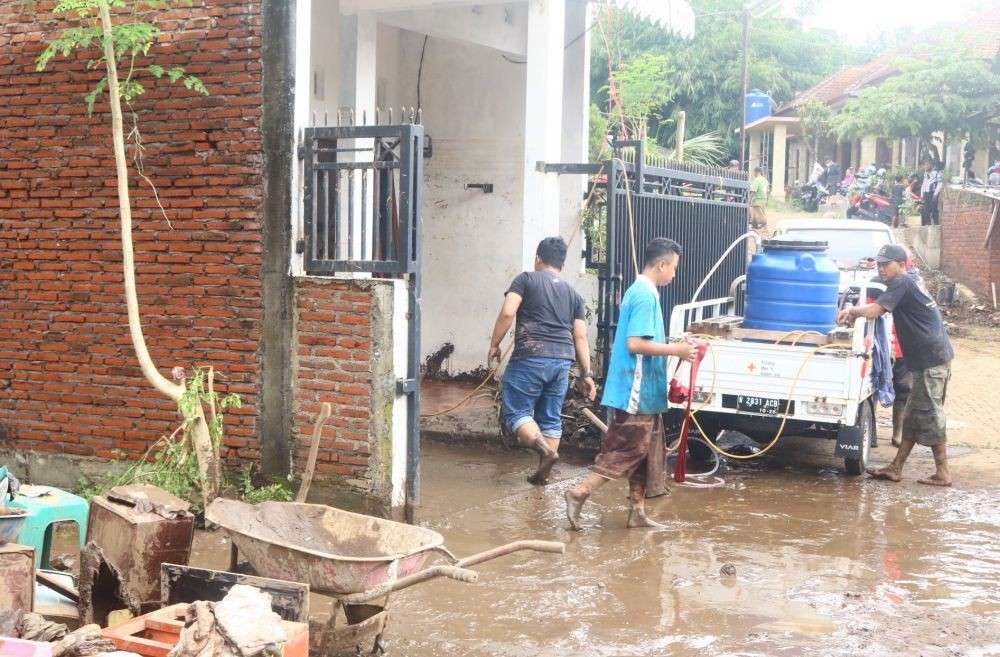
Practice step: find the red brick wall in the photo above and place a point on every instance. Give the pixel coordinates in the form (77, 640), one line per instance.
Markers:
(335, 323)
(965, 218)
(69, 381)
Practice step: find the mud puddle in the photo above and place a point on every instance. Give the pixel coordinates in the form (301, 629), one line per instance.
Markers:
(824, 565)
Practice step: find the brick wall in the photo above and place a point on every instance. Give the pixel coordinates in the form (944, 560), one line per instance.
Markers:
(344, 356)
(965, 217)
(69, 381)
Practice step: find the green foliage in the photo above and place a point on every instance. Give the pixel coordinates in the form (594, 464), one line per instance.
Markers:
(251, 493)
(702, 75)
(950, 90)
(130, 39)
(597, 145)
(169, 463)
(815, 117)
(197, 395)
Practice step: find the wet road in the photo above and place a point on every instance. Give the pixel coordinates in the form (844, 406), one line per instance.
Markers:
(825, 565)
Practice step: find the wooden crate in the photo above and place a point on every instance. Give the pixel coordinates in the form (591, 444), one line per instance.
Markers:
(17, 584)
(155, 633)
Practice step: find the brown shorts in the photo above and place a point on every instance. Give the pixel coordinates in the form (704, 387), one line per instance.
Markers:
(627, 443)
(923, 417)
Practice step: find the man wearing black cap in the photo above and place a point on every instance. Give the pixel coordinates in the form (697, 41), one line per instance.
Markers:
(928, 350)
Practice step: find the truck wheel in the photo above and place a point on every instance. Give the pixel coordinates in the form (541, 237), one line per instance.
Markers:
(866, 422)
(852, 211)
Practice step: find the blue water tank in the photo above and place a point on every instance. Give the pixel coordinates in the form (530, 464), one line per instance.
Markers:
(758, 105)
(792, 285)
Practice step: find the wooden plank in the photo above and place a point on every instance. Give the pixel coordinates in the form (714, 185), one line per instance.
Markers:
(290, 600)
(726, 327)
(993, 224)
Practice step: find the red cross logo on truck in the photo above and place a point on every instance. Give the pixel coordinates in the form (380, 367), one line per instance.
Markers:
(751, 367)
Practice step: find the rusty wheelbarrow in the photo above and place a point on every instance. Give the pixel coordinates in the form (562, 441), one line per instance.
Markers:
(355, 558)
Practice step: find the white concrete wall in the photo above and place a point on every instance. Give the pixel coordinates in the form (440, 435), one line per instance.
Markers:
(472, 100)
(576, 115)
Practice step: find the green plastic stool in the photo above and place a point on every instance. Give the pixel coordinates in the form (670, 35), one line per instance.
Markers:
(46, 506)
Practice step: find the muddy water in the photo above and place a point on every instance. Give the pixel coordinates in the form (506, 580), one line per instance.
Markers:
(824, 565)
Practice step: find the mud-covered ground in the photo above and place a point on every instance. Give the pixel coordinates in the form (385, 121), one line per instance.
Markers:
(825, 565)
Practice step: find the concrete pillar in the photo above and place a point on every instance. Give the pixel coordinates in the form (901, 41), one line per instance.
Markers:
(856, 155)
(981, 163)
(358, 35)
(576, 120)
(542, 122)
(869, 151)
(755, 139)
(896, 153)
(778, 162)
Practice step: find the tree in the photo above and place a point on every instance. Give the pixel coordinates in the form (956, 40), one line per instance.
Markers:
(107, 44)
(702, 75)
(815, 117)
(950, 90)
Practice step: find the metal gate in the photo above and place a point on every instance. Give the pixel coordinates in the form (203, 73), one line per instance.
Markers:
(704, 209)
(362, 189)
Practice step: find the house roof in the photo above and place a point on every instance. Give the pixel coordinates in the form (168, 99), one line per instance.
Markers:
(983, 39)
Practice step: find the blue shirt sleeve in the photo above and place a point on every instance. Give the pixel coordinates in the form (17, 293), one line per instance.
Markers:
(642, 321)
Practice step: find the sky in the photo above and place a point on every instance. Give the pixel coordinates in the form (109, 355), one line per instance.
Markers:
(859, 21)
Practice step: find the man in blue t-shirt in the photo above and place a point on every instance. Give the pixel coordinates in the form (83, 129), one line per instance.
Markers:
(636, 386)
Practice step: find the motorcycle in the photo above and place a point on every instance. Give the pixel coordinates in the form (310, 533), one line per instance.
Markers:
(869, 205)
(811, 195)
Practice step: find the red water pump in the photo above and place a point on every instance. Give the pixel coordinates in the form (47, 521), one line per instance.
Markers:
(680, 393)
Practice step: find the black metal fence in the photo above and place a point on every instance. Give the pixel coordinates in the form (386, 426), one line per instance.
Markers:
(704, 209)
(361, 198)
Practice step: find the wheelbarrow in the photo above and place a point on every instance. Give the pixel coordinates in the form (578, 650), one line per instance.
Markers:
(357, 559)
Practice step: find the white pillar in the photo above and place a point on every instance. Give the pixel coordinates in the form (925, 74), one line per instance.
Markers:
(542, 122)
(358, 36)
(576, 120)
(778, 162)
(981, 163)
(754, 138)
(357, 94)
(869, 150)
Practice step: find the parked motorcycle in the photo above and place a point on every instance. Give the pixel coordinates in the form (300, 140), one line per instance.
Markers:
(811, 196)
(869, 205)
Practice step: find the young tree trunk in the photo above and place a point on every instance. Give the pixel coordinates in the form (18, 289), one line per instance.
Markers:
(205, 451)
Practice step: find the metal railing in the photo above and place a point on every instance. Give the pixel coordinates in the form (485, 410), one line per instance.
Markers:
(361, 205)
(704, 209)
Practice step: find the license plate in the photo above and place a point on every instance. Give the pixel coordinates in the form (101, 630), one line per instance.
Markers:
(759, 405)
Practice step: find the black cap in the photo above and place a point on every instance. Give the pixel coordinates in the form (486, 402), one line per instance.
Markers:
(891, 252)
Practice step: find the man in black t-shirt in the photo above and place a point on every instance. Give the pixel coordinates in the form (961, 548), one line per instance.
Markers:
(550, 333)
(929, 353)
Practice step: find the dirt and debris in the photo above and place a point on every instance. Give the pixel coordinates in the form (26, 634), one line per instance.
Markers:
(151, 499)
(83, 642)
(35, 627)
(240, 625)
(965, 312)
(434, 363)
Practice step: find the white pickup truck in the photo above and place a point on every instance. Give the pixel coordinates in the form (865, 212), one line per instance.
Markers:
(748, 377)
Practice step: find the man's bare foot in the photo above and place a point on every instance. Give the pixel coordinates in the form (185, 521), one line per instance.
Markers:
(886, 474)
(895, 442)
(638, 518)
(935, 480)
(574, 505)
(547, 458)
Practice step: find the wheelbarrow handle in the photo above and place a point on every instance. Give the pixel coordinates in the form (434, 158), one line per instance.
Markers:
(553, 547)
(452, 572)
